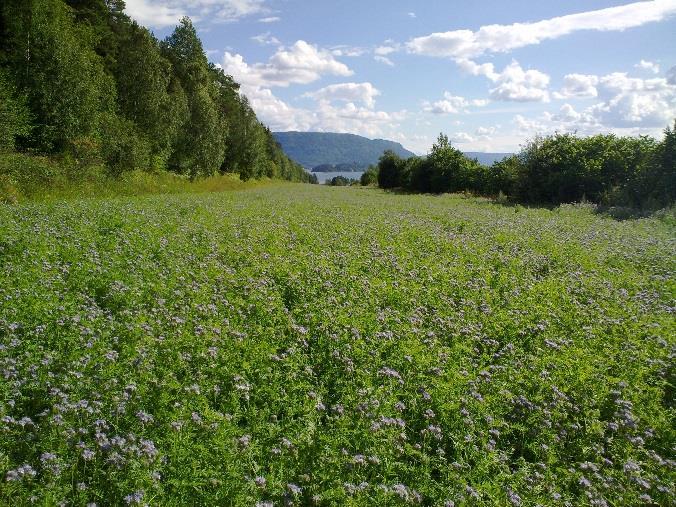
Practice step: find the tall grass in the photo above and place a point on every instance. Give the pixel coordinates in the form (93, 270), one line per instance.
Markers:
(27, 177)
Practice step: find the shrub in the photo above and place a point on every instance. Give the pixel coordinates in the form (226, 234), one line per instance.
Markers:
(123, 147)
(370, 176)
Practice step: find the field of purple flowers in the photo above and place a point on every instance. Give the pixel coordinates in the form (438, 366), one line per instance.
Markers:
(299, 345)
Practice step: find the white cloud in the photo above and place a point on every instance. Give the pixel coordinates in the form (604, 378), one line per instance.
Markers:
(529, 126)
(270, 19)
(635, 102)
(671, 76)
(153, 14)
(350, 51)
(384, 59)
(461, 138)
(335, 111)
(513, 83)
(485, 132)
(302, 63)
(411, 15)
(386, 49)
(163, 13)
(627, 106)
(504, 38)
(578, 85)
(452, 104)
(649, 66)
(347, 92)
(266, 39)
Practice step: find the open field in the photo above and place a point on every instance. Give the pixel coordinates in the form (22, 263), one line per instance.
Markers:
(304, 344)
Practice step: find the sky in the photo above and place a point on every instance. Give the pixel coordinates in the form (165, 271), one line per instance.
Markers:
(490, 74)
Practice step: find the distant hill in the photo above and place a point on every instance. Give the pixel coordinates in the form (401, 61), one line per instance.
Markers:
(485, 158)
(311, 149)
(327, 152)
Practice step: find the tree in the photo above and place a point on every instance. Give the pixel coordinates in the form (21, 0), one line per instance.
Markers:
(370, 176)
(200, 147)
(389, 170)
(145, 92)
(54, 63)
(14, 115)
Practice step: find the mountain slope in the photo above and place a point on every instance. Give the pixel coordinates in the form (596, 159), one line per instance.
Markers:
(311, 149)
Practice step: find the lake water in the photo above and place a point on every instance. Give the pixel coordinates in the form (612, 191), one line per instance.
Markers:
(324, 177)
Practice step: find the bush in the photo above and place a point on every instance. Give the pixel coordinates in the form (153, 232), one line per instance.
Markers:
(390, 168)
(370, 177)
(123, 147)
(341, 181)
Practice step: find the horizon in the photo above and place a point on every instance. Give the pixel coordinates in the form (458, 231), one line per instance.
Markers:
(490, 77)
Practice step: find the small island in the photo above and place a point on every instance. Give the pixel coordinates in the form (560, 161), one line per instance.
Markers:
(347, 167)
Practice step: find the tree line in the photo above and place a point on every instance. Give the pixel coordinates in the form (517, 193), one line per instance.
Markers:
(637, 172)
(82, 81)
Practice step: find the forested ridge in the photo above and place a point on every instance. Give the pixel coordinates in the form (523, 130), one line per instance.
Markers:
(82, 83)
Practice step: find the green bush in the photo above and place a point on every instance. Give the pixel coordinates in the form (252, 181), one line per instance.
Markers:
(370, 176)
(123, 147)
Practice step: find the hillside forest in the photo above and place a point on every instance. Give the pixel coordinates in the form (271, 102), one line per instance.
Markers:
(83, 83)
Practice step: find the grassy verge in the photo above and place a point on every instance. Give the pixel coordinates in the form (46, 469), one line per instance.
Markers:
(34, 178)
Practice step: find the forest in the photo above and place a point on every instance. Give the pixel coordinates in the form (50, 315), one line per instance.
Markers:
(630, 172)
(82, 85)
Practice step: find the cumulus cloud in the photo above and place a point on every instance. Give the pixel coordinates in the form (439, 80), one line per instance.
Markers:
(513, 83)
(635, 102)
(578, 85)
(163, 13)
(452, 104)
(149, 13)
(504, 38)
(627, 106)
(302, 63)
(364, 93)
(649, 66)
(346, 107)
(461, 138)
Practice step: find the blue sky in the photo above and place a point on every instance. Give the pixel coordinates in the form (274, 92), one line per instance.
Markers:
(491, 74)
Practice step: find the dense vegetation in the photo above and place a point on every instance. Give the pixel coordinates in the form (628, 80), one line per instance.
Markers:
(330, 346)
(626, 171)
(83, 83)
(312, 149)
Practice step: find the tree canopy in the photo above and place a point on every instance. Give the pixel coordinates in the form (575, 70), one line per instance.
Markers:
(79, 77)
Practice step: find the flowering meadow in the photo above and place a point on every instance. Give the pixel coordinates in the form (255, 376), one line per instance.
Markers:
(304, 345)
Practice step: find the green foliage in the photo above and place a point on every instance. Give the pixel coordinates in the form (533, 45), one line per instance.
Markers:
(200, 146)
(62, 76)
(370, 176)
(342, 181)
(124, 148)
(145, 92)
(14, 115)
(390, 170)
(73, 73)
(635, 172)
(299, 344)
